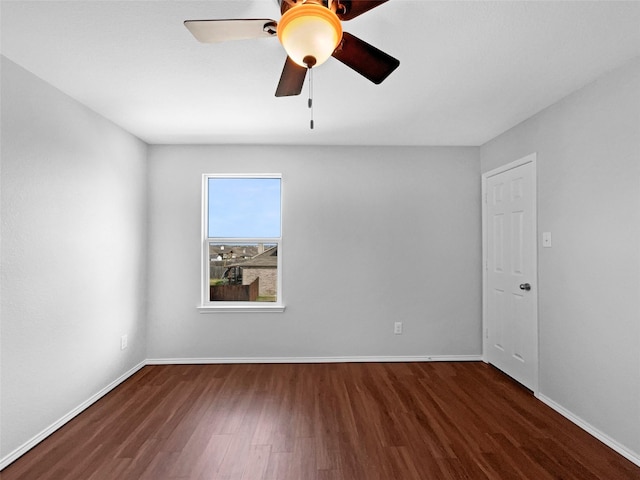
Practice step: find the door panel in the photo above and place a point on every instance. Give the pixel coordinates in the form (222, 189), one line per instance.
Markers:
(511, 324)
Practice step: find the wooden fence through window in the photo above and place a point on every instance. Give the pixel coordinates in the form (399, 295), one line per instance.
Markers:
(235, 293)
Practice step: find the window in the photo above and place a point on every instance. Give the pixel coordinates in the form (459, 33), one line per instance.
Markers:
(242, 243)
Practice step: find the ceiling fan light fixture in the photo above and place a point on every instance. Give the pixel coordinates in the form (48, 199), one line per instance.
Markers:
(309, 33)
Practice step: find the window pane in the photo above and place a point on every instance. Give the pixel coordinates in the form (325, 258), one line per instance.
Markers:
(243, 272)
(244, 207)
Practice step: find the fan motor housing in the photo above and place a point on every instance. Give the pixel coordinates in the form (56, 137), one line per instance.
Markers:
(333, 5)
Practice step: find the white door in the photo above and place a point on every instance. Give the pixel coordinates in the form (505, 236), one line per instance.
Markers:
(510, 290)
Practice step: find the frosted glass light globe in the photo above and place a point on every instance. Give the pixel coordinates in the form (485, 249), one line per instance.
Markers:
(309, 33)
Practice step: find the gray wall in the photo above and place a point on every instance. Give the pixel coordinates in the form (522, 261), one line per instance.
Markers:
(73, 263)
(588, 155)
(370, 236)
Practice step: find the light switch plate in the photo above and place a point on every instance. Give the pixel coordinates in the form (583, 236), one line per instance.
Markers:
(546, 239)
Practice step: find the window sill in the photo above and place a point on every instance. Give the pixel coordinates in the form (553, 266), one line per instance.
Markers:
(240, 308)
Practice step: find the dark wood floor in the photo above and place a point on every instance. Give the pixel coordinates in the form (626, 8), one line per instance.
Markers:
(392, 421)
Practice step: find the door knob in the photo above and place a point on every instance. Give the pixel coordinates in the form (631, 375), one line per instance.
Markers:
(525, 286)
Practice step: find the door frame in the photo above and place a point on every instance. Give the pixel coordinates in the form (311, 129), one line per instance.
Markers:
(531, 158)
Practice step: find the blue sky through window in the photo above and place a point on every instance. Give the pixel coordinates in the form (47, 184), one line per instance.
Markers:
(244, 207)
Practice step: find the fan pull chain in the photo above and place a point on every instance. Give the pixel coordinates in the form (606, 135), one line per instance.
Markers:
(310, 104)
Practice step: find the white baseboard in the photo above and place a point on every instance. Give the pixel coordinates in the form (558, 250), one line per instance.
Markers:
(603, 437)
(24, 448)
(383, 359)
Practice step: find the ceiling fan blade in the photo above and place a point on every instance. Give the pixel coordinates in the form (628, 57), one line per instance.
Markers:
(214, 31)
(365, 59)
(291, 80)
(353, 8)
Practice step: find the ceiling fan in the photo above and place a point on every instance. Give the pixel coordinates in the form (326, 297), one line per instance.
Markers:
(310, 32)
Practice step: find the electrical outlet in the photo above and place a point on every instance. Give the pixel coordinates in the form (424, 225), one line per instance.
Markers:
(397, 328)
(123, 342)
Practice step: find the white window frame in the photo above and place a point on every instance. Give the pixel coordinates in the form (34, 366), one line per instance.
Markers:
(206, 305)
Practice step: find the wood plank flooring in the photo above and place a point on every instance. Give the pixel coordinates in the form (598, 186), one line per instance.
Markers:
(391, 421)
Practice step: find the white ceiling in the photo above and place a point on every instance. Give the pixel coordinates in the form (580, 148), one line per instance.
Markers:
(468, 72)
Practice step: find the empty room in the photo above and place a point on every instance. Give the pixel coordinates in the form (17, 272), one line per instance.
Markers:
(319, 240)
